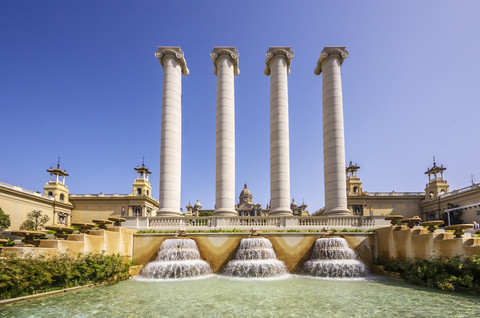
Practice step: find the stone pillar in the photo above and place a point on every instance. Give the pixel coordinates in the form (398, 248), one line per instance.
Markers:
(331, 58)
(225, 66)
(278, 67)
(174, 65)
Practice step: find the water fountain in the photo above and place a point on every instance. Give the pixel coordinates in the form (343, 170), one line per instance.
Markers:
(177, 258)
(255, 257)
(331, 257)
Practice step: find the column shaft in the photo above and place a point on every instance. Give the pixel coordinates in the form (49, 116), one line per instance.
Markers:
(171, 132)
(278, 62)
(333, 132)
(225, 138)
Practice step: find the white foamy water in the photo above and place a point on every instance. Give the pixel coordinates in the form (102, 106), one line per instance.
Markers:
(177, 258)
(332, 257)
(256, 258)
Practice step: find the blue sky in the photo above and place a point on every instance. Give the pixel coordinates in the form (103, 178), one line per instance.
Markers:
(79, 80)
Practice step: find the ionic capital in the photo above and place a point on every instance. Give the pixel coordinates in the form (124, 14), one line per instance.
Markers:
(163, 51)
(232, 54)
(284, 51)
(328, 52)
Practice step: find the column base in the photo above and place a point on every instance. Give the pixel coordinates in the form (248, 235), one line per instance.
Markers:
(337, 212)
(280, 212)
(168, 213)
(225, 212)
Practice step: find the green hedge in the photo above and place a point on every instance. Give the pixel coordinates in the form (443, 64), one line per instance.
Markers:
(455, 273)
(32, 275)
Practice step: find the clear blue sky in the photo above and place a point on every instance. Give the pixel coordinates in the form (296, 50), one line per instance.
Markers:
(79, 80)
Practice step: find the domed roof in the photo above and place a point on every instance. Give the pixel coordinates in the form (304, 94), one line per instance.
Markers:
(293, 204)
(198, 204)
(245, 191)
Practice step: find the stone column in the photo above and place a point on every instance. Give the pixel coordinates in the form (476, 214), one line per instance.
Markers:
(174, 65)
(331, 58)
(225, 66)
(278, 67)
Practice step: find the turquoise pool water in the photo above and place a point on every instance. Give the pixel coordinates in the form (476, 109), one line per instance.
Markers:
(294, 296)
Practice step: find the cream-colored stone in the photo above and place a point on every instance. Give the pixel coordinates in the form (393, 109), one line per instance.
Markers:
(225, 61)
(331, 58)
(278, 60)
(173, 63)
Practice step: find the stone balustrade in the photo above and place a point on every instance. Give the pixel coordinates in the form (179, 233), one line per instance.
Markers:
(257, 222)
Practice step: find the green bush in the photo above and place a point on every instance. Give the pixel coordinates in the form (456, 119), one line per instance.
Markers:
(32, 275)
(4, 220)
(454, 273)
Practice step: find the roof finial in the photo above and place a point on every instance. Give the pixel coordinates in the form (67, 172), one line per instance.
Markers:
(434, 164)
(58, 162)
(143, 161)
(245, 185)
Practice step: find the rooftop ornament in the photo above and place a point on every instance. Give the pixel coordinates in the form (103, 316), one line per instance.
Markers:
(84, 227)
(29, 237)
(117, 221)
(102, 223)
(61, 232)
(411, 221)
(393, 219)
(458, 228)
(431, 226)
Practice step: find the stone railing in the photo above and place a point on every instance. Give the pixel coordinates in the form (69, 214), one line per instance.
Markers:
(260, 223)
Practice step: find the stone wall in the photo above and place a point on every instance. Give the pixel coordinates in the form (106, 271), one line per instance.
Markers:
(400, 242)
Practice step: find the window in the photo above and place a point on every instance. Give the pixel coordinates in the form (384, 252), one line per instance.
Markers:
(431, 194)
(50, 194)
(62, 197)
(139, 192)
(148, 193)
(355, 190)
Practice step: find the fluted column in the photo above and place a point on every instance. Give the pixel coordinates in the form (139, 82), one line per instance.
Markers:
(174, 65)
(278, 67)
(225, 66)
(331, 58)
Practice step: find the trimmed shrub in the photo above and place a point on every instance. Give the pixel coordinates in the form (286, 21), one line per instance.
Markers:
(32, 275)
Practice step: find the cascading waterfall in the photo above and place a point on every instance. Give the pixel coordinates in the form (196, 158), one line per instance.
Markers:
(177, 258)
(331, 257)
(255, 257)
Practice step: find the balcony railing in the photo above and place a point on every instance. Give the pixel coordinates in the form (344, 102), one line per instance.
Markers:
(256, 222)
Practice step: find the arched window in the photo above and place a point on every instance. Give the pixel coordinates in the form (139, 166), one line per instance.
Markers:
(431, 195)
(62, 197)
(148, 193)
(442, 192)
(139, 192)
(355, 190)
(50, 194)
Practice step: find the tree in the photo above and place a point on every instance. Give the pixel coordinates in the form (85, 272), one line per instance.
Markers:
(35, 221)
(4, 220)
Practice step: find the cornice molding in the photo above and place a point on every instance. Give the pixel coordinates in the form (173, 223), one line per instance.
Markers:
(231, 52)
(163, 51)
(329, 52)
(285, 51)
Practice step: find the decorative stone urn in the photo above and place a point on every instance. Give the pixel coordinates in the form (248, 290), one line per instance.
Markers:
(431, 225)
(458, 228)
(61, 232)
(411, 221)
(117, 221)
(84, 227)
(29, 237)
(102, 223)
(393, 219)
